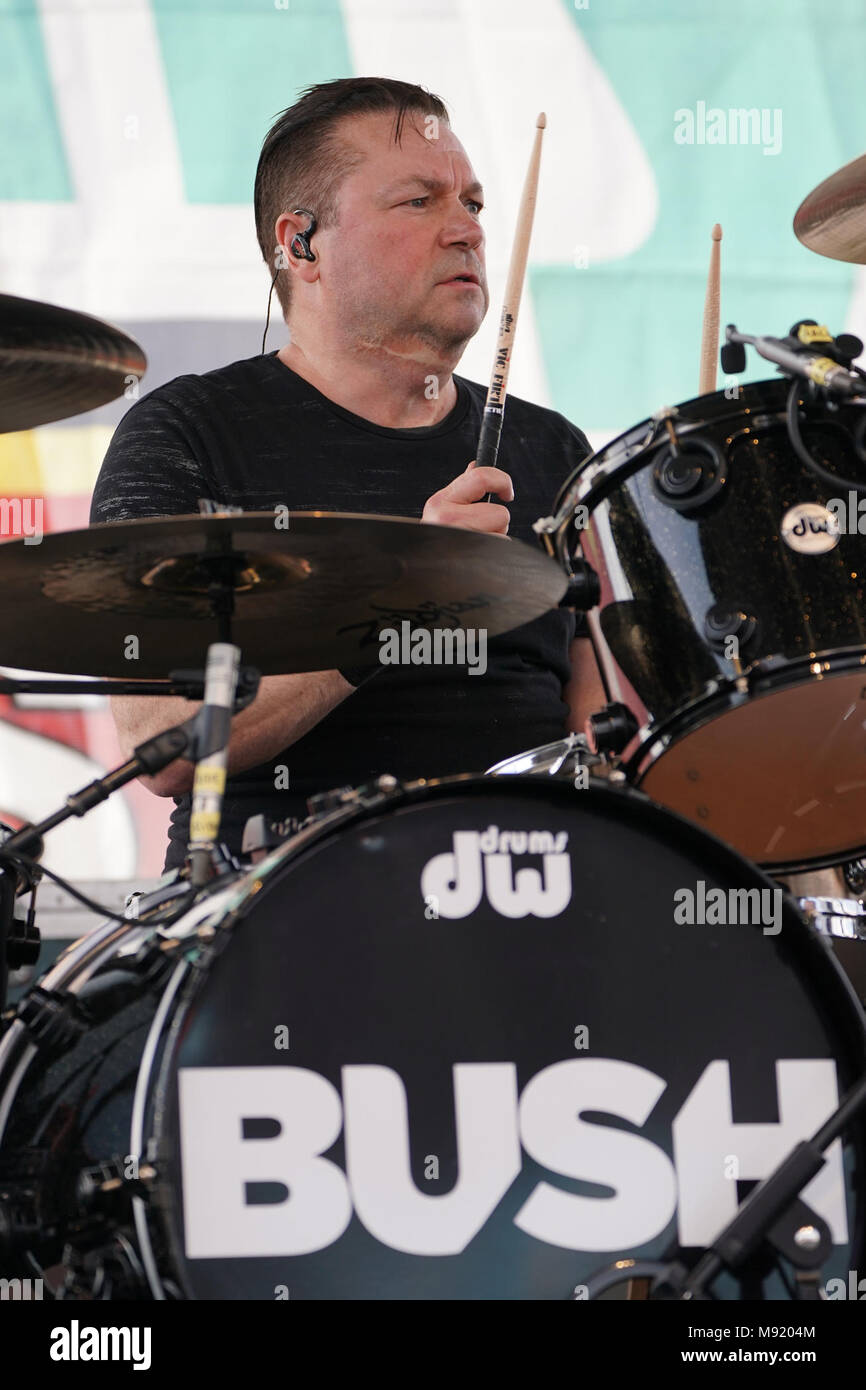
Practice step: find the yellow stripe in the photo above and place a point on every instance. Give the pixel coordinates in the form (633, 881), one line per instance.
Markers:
(204, 825)
(209, 779)
(60, 462)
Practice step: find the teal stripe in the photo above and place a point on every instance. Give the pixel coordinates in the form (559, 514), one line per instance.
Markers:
(32, 159)
(231, 65)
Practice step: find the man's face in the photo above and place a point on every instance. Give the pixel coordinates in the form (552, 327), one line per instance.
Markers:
(408, 226)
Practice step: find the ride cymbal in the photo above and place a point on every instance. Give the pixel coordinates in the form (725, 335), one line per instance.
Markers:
(311, 597)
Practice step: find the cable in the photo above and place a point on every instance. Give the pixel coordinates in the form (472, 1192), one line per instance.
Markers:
(28, 865)
(268, 315)
(829, 479)
(16, 857)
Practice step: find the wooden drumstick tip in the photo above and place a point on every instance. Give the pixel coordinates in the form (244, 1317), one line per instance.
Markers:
(541, 122)
(717, 232)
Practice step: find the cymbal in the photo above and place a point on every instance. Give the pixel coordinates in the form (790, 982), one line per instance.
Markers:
(308, 598)
(56, 362)
(832, 219)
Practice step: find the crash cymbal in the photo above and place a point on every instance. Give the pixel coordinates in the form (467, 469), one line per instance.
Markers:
(131, 598)
(832, 219)
(56, 362)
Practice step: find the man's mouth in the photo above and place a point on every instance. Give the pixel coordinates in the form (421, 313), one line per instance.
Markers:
(464, 279)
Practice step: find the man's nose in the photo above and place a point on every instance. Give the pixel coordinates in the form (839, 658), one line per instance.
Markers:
(463, 227)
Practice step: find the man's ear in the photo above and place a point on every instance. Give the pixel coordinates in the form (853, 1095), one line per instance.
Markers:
(292, 251)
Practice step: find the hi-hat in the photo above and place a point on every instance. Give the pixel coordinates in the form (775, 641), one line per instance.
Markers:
(56, 362)
(136, 598)
(832, 219)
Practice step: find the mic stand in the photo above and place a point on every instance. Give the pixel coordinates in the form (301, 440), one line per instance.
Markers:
(822, 371)
(772, 1212)
(198, 738)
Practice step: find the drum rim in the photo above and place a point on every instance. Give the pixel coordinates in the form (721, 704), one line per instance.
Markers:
(768, 389)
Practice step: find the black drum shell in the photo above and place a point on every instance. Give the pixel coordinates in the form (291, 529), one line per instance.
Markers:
(728, 552)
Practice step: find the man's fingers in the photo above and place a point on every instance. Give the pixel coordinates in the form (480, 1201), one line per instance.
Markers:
(475, 483)
(484, 516)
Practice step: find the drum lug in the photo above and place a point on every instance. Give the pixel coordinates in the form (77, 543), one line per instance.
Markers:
(323, 802)
(855, 876)
(108, 1186)
(584, 587)
(338, 797)
(610, 729)
(53, 1021)
(722, 623)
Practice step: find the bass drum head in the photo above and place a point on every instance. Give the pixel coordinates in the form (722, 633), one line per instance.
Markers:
(624, 1066)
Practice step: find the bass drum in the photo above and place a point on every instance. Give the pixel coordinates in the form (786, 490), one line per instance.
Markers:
(461, 1040)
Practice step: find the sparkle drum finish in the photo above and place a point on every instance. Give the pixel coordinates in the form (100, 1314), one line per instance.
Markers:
(727, 536)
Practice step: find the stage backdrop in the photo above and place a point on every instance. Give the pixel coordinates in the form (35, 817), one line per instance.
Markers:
(130, 133)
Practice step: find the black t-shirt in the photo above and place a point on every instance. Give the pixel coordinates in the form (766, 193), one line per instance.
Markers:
(256, 435)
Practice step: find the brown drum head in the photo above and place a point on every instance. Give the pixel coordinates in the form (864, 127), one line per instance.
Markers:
(781, 777)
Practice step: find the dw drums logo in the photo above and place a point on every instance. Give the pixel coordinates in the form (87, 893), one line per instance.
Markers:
(278, 1195)
(481, 863)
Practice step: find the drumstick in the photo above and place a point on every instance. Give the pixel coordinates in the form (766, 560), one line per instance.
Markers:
(491, 425)
(710, 335)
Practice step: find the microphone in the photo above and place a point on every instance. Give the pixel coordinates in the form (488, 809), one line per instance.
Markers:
(221, 676)
(797, 361)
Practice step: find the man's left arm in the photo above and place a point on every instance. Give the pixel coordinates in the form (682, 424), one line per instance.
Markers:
(584, 692)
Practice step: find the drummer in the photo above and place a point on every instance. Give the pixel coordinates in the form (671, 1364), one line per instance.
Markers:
(381, 282)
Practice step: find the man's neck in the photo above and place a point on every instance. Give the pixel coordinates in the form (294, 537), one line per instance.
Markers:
(388, 389)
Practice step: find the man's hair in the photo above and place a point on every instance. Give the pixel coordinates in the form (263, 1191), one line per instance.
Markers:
(303, 160)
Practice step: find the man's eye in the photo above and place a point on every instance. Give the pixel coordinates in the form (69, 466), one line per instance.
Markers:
(417, 202)
(474, 203)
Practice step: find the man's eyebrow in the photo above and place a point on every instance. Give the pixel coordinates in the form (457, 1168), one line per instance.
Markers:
(472, 190)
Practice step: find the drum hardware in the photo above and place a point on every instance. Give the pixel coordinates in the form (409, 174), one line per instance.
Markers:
(689, 475)
(552, 759)
(721, 624)
(56, 362)
(839, 917)
(855, 876)
(20, 851)
(772, 1213)
(261, 834)
(611, 729)
(108, 1186)
(830, 369)
(584, 589)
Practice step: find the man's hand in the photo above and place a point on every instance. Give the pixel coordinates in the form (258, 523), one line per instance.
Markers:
(459, 504)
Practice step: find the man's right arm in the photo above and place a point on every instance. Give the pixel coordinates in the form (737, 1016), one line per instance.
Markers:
(285, 708)
(156, 466)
